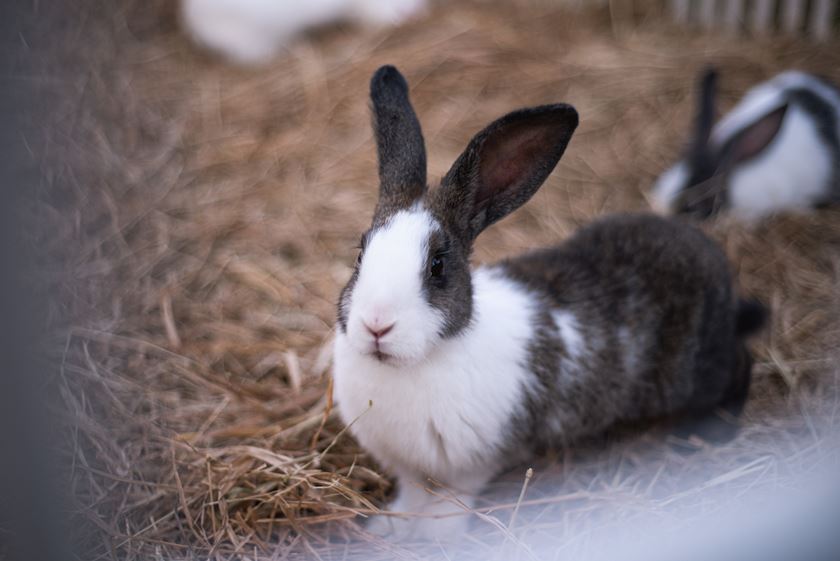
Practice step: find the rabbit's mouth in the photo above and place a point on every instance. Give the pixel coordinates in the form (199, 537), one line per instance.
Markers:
(390, 355)
(385, 352)
(381, 356)
(387, 356)
(395, 349)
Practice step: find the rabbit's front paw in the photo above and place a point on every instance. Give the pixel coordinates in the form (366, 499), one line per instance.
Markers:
(389, 526)
(418, 528)
(450, 528)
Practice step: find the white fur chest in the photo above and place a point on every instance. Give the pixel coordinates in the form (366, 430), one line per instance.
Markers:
(449, 413)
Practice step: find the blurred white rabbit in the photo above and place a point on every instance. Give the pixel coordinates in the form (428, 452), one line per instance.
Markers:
(253, 31)
(777, 150)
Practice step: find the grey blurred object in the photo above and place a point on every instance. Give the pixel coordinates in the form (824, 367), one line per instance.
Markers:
(34, 497)
(251, 32)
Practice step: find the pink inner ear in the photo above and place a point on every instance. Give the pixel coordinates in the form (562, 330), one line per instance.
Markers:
(509, 160)
(758, 136)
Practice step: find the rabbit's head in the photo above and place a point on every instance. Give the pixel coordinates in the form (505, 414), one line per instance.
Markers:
(411, 289)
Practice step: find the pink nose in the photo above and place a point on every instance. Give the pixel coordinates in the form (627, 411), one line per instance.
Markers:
(379, 331)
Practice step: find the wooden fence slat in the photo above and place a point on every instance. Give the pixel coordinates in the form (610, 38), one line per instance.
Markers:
(762, 16)
(734, 15)
(822, 16)
(707, 14)
(621, 14)
(793, 14)
(681, 10)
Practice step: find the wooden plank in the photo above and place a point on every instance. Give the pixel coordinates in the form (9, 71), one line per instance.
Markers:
(822, 19)
(733, 16)
(707, 14)
(681, 10)
(793, 15)
(761, 18)
(621, 15)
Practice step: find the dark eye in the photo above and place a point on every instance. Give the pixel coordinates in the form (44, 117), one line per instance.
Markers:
(436, 267)
(361, 248)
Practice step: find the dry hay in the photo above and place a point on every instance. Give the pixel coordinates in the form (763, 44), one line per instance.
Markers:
(204, 218)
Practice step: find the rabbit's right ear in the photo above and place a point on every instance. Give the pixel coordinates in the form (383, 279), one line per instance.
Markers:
(503, 166)
(704, 118)
(399, 141)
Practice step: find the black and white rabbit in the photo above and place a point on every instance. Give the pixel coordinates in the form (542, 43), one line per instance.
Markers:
(452, 375)
(778, 149)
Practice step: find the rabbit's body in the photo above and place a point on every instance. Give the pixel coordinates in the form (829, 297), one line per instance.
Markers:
(630, 319)
(778, 149)
(637, 322)
(253, 31)
(454, 375)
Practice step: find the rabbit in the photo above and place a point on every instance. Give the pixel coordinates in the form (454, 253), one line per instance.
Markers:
(450, 375)
(777, 150)
(251, 32)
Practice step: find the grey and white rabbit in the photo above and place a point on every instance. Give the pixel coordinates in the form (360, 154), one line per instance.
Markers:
(452, 374)
(778, 149)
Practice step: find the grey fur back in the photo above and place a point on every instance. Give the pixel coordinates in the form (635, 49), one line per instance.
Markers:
(653, 301)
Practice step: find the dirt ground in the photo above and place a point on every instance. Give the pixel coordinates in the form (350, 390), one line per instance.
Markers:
(200, 220)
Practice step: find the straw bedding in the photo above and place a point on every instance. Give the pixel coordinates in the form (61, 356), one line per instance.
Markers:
(202, 218)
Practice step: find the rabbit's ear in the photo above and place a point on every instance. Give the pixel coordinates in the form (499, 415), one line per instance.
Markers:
(704, 119)
(503, 166)
(399, 141)
(755, 138)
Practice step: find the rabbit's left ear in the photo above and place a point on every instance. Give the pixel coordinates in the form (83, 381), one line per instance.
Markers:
(503, 166)
(699, 155)
(399, 141)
